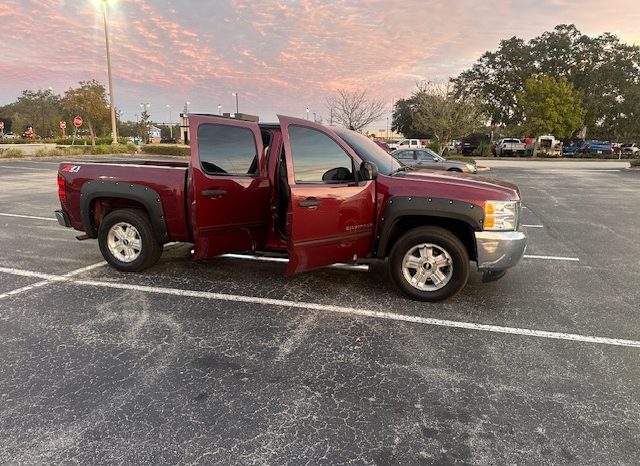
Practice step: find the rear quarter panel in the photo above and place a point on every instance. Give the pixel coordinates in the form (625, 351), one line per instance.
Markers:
(168, 181)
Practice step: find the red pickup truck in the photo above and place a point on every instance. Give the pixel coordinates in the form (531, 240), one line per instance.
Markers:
(321, 195)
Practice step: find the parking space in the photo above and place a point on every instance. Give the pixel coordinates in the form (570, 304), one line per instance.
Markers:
(228, 361)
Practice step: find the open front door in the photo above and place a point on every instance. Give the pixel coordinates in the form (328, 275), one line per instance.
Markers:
(331, 211)
(230, 189)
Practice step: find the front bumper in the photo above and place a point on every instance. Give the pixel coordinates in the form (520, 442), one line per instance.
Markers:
(499, 250)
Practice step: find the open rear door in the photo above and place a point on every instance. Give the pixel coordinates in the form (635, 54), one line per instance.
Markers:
(331, 211)
(230, 198)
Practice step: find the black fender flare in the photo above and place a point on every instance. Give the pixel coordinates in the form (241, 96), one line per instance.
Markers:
(402, 206)
(148, 197)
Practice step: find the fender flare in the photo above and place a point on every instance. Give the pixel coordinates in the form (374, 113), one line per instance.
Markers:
(403, 206)
(148, 197)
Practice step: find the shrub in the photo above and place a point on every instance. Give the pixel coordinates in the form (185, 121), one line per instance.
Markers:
(10, 153)
(634, 163)
(483, 150)
(165, 149)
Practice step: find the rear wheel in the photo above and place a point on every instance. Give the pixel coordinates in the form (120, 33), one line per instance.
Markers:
(429, 264)
(127, 241)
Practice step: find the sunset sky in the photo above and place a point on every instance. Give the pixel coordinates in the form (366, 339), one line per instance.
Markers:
(280, 56)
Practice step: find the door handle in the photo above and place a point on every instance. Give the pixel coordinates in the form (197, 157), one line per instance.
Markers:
(309, 202)
(213, 192)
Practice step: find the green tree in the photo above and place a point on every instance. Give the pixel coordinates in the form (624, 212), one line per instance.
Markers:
(549, 106)
(437, 111)
(37, 109)
(89, 101)
(603, 70)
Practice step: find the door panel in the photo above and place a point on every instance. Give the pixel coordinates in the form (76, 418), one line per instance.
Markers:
(331, 218)
(231, 191)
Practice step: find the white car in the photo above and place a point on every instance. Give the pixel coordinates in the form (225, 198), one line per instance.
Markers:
(630, 149)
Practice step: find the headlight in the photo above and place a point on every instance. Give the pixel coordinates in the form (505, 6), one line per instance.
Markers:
(501, 215)
(471, 167)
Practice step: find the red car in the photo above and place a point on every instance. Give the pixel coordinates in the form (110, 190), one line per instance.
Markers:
(321, 195)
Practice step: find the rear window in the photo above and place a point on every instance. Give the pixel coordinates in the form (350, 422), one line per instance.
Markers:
(227, 150)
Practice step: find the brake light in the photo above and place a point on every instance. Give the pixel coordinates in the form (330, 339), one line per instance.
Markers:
(61, 189)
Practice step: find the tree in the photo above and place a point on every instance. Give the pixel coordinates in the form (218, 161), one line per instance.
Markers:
(603, 70)
(550, 106)
(89, 100)
(354, 110)
(439, 112)
(37, 109)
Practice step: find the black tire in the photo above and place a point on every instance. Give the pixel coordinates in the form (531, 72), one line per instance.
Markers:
(140, 244)
(433, 239)
(454, 170)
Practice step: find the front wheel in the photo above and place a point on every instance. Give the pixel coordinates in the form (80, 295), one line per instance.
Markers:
(127, 241)
(429, 264)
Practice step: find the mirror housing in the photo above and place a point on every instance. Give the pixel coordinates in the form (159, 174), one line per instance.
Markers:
(368, 171)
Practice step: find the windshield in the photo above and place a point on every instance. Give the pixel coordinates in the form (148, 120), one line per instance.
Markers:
(369, 151)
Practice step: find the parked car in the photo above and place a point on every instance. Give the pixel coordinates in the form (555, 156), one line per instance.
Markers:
(426, 158)
(545, 146)
(630, 150)
(571, 149)
(9, 135)
(595, 147)
(319, 195)
(410, 144)
(471, 142)
(510, 146)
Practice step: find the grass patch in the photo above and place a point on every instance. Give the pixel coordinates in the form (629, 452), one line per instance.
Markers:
(167, 149)
(634, 163)
(10, 153)
(88, 150)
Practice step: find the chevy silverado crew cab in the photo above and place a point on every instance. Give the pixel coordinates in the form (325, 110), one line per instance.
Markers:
(321, 195)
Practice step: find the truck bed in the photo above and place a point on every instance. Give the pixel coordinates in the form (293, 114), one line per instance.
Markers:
(166, 177)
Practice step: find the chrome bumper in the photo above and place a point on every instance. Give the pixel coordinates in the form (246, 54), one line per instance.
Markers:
(499, 250)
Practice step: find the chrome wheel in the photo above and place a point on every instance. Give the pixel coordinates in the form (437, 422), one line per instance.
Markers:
(124, 242)
(427, 267)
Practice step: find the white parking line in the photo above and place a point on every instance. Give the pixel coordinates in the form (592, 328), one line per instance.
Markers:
(51, 219)
(552, 258)
(48, 278)
(533, 226)
(331, 308)
(29, 168)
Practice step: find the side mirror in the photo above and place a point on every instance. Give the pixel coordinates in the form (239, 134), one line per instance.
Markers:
(368, 171)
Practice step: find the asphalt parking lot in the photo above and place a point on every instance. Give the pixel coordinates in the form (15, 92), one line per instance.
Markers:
(226, 361)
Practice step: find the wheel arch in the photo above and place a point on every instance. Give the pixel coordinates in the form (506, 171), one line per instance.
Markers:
(404, 214)
(97, 199)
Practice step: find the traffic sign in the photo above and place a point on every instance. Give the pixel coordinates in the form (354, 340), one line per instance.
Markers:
(63, 124)
(77, 121)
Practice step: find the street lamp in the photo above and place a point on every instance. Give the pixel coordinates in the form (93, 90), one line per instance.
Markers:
(307, 113)
(114, 132)
(170, 123)
(219, 109)
(236, 96)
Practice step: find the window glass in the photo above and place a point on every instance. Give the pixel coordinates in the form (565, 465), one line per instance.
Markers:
(424, 155)
(405, 155)
(317, 158)
(227, 150)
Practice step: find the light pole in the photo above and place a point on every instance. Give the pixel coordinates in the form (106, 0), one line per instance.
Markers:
(307, 113)
(236, 96)
(170, 123)
(314, 117)
(186, 108)
(219, 109)
(114, 132)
